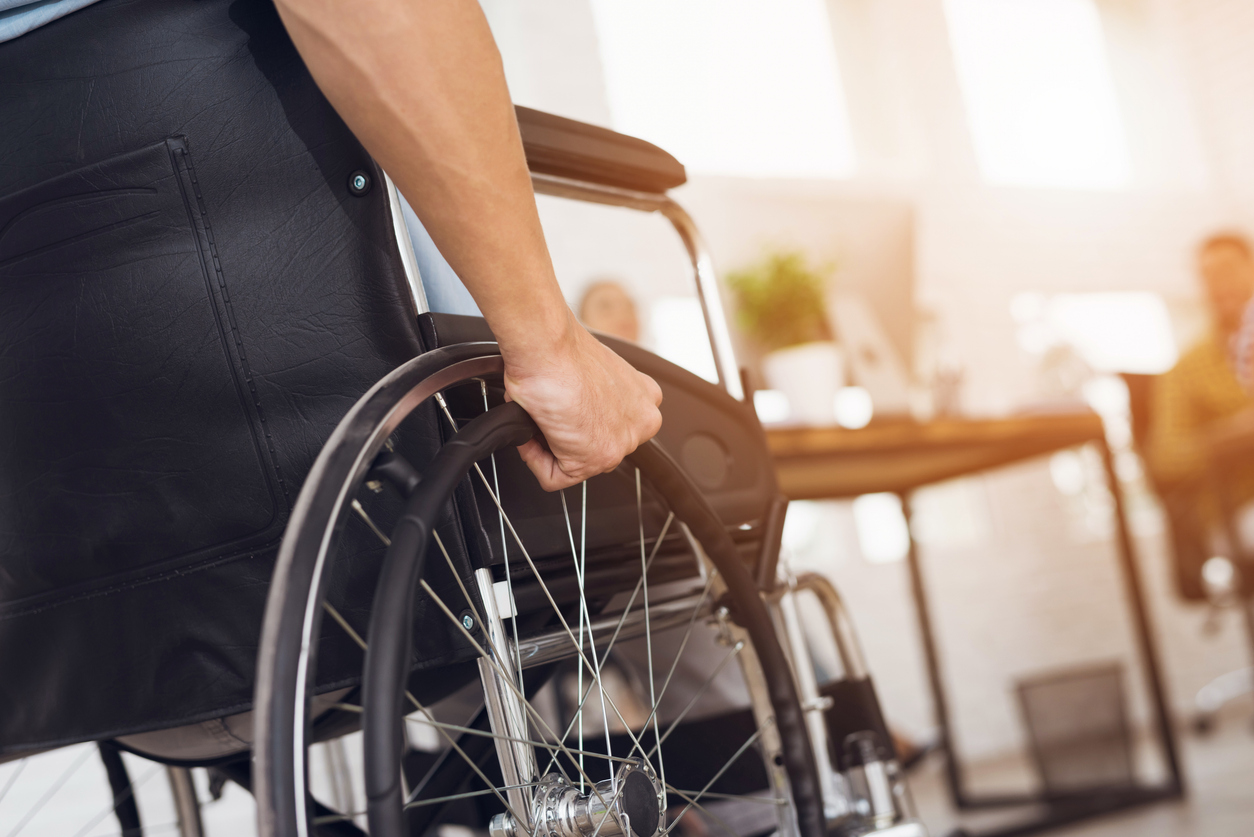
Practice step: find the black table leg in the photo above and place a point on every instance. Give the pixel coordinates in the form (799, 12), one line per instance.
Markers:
(1144, 633)
(940, 701)
(1057, 812)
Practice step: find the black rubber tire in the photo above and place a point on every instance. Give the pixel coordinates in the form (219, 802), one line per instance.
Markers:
(292, 612)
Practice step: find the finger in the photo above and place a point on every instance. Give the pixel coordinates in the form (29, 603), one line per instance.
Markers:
(655, 391)
(545, 467)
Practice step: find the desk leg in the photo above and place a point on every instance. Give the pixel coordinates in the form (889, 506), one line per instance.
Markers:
(1144, 634)
(940, 701)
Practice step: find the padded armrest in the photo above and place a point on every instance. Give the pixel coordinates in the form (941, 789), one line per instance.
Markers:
(566, 148)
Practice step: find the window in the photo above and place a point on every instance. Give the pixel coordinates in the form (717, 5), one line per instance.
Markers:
(1128, 331)
(1038, 91)
(733, 87)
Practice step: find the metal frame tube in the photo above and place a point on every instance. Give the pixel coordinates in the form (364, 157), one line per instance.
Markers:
(851, 657)
(708, 291)
(505, 711)
(556, 645)
(835, 803)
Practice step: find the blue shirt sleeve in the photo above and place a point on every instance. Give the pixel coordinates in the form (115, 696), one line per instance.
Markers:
(17, 17)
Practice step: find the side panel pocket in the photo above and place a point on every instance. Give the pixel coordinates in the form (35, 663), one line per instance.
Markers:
(130, 442)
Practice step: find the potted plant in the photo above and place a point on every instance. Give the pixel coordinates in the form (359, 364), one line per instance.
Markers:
(781, 305)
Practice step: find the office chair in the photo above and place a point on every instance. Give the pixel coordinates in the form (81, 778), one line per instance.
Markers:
(1200, 576)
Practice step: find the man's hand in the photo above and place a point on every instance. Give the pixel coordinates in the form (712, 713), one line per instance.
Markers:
(593, 407)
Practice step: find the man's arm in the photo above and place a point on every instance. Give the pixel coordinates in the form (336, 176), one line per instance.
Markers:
(1173, 450)
(420, 83)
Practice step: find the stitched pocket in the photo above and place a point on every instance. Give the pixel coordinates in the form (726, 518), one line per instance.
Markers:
(129, 439)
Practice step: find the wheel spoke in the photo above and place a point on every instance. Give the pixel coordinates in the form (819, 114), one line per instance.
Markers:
(765, 800)
(692, 621)
(622, 620)
(457, 623)
(418, 803)
(730, 761)
(496, 735)
(51, 792)
(594, 670)
(127, 794)
(557, 611)
(540, 722)
(585, 619)
(17, 771)
(357, 507)
(343, 623)
(578, 717)
(648, 635)
(509, 581)
(692, 803)
(735, 649)
(583, 609)
(473, 766)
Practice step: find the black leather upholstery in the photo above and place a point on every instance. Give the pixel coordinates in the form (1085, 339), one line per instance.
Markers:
(190, 300)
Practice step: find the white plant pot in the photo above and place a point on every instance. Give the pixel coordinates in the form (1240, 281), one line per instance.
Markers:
(809, 375)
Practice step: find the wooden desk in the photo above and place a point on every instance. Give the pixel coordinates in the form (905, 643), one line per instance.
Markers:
(827, 462)
(817, 463)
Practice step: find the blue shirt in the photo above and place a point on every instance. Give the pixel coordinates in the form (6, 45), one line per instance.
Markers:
(17, 17)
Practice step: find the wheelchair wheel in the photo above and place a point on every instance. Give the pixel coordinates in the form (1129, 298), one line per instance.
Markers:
(537, 690)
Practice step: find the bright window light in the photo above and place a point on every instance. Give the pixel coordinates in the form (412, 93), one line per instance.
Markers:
(1038, 91)
(1117, 332)
(882, 531)
(1113, 332)
(734, 87)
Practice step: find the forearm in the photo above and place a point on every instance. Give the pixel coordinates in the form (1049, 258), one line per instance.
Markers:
(420, 83)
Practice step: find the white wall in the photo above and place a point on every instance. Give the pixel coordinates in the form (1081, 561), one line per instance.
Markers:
(1037, 589)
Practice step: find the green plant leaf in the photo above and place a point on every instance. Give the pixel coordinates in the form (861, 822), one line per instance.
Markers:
(780, 300)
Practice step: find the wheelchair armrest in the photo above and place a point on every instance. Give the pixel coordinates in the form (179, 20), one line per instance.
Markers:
(564, 147)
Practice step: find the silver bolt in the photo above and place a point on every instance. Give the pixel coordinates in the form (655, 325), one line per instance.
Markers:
(468, 621)
(359, 182)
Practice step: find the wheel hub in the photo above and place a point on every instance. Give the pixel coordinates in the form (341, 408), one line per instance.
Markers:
(629, 806)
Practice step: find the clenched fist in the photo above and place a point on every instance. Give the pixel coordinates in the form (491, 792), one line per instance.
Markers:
(592, 406)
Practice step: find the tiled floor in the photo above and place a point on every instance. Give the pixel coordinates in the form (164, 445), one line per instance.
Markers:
(1219, 771)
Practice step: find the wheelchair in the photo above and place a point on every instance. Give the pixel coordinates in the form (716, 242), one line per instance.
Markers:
(223, 551)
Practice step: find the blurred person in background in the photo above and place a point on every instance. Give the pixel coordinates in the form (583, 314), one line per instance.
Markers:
(1203, 391)
(607, 307)
(1203, 388)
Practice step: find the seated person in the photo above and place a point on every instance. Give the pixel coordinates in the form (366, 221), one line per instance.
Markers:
(608, 308)
(1202, 390)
